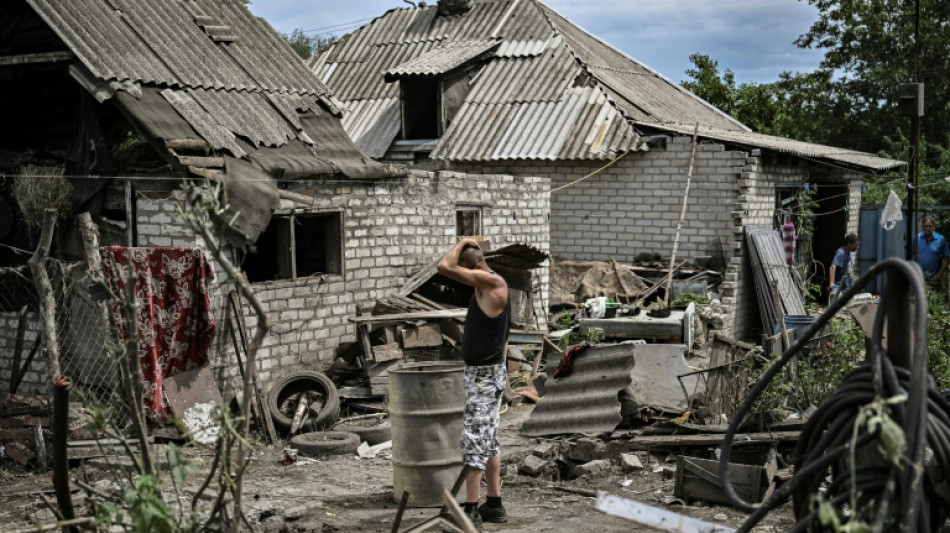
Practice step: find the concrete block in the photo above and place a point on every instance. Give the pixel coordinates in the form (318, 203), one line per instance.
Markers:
(546, 450)
(630, 462)
(585, 449)
(532, 466)
(592, 468)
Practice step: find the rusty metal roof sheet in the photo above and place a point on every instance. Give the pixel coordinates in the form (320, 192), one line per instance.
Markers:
(443, 59)
(586, 400)
(523, 256)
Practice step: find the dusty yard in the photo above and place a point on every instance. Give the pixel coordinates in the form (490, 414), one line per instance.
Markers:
(347, 494)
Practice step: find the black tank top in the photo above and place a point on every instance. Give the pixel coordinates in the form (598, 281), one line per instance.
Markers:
(485, 337)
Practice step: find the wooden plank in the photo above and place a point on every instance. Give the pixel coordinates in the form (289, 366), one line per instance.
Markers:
(296, 197)
(386, 352)
(422, 336)
(200, 161)
(44, 57)
(195, 145)
(404, 317)
(207, 173)
(684, 441)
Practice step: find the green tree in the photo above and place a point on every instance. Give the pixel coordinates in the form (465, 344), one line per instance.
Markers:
(869, 47)
(307, 45)
(755, 105)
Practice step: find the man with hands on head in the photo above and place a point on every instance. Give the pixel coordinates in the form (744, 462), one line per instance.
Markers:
(483, 348)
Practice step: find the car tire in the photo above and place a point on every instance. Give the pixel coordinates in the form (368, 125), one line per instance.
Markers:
(371, 431)
(295, 384)
(319, 443)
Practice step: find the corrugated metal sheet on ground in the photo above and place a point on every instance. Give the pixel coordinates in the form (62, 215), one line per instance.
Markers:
(586, 400)
(443, 59)
(160, 42)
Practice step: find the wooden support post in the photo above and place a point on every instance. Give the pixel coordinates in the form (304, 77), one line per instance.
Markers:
(679, 225)
(45, 292)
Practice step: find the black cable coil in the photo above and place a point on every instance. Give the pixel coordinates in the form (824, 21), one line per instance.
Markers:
(908, 493)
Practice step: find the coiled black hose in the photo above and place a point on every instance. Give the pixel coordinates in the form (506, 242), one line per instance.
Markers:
(889, 497)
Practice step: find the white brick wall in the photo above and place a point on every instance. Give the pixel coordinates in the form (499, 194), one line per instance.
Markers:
(634, 206)
(392, 228)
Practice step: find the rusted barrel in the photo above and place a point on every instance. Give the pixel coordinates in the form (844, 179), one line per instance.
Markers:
(426, 404)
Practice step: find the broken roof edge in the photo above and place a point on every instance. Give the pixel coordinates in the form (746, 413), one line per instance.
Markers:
(426, 65)
(545, 12)
(856, 160)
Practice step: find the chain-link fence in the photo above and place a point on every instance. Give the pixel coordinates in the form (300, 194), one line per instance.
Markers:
(85, 354)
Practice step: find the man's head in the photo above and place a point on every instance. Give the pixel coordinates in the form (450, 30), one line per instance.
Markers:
(851, 242)
(928, 224)
(471, 257)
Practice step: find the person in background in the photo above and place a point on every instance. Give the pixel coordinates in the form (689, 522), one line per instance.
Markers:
(487, 325)
(839, 279)
(933, 254)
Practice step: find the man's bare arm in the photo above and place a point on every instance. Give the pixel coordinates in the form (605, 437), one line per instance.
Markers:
(449, 264)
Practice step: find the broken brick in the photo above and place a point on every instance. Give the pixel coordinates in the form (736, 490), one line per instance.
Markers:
(592, 468)
(629, 462)
(546, 450)
(533, 466)
(585, 449)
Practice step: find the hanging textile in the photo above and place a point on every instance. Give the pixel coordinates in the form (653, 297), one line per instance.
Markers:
(174, 314)
(788, 240)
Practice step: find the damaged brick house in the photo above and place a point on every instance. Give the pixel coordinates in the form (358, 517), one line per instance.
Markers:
(130, 99)
(512, 86)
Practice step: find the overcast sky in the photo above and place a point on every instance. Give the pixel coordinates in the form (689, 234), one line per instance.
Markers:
(754, 38)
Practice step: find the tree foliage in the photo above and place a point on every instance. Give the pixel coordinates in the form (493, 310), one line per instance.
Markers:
(850, 100)
(307, 45)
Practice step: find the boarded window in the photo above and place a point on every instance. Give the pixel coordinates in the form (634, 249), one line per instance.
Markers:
(468, 221)
(297, 245)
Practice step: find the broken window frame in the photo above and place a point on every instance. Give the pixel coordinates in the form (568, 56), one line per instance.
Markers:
(288, 260)
(460, 211)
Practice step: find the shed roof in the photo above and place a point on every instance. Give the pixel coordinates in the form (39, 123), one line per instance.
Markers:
(549, 91)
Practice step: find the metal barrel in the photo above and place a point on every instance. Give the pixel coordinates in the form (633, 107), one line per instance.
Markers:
(426, 404)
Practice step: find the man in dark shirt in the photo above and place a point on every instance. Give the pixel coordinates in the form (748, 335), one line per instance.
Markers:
(483, 348)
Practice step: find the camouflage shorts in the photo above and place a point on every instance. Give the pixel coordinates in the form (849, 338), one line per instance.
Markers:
(483, 388)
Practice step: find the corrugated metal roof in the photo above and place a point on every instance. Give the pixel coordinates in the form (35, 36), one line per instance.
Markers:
(525, 89)
(373, 124)
(788, 146)
(441, 60)
(523, 256)
(586, 400)
(210, 69)
(160, 42)
(584, 125)
(535, 81)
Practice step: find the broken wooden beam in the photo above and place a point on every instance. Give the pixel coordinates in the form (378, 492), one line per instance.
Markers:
(44, 57)
(195, 145)
(662, 442)
(207, 173)
(296, 197)
(408, 317)
(200, 161)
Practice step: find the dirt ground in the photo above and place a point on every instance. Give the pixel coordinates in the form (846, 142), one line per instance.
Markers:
(348, 494)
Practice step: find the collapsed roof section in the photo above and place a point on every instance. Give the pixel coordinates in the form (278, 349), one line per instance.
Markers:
(208, 77)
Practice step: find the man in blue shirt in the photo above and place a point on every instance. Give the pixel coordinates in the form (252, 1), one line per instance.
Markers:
(838, 278)
(932, 251)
